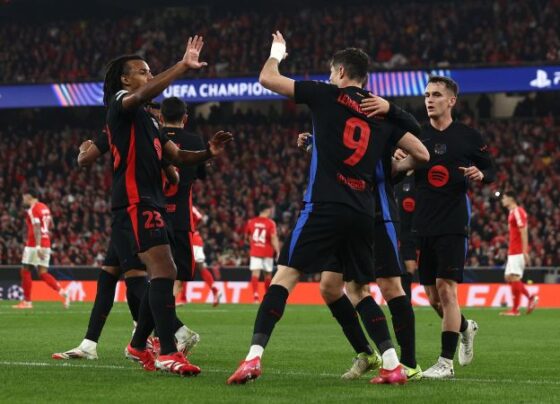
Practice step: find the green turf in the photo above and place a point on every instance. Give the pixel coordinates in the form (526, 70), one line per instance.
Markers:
(516, 359)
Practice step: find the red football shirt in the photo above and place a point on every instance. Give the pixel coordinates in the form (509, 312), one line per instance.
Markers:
(517, 220)
(39, 213)
(196, 218)
(260, 231)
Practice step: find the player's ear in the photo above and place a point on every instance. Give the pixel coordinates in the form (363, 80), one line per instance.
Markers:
(341, 72)
(452, 101)
(125, 80)
(185, 119)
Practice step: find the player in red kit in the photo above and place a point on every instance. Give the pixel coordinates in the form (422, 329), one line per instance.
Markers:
(200, 262)
(264, 247)
(518, 254)
(37, 251)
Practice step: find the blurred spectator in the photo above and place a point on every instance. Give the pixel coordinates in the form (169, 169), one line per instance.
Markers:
(405, 34)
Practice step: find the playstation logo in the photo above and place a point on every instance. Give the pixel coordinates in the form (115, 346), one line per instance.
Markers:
(542, 80)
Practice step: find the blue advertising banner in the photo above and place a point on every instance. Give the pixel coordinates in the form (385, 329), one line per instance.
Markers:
(386, 84)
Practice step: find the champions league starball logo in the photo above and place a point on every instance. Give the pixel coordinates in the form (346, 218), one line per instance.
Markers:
(15, 292)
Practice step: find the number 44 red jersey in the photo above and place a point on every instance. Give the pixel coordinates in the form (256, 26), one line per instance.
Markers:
(260, 231)
(517, 220)
(40, 214)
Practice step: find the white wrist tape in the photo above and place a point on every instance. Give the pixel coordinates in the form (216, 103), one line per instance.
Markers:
(277, 51)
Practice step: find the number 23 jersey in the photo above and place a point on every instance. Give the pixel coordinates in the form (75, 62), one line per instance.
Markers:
(346, 145)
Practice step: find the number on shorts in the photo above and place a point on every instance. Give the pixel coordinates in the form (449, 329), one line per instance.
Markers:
(361, 144)
(151, 217)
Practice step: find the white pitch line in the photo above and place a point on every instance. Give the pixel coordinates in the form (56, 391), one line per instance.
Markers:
(64, 364)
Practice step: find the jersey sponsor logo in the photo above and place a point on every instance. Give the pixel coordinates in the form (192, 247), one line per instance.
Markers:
(438, 176)
(157, 146)
(409, 204)
(353, 183)
(440, 148)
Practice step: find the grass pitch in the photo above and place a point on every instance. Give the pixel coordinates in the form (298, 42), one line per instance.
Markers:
(516, 359)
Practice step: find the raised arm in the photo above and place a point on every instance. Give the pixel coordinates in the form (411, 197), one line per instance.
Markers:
(160, 82)
(270, 77)
(180, 157)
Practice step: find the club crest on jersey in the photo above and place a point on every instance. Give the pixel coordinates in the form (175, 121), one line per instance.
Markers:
(406, 187)
(440, 148)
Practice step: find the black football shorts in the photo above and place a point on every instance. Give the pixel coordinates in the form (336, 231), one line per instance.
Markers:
(330, 231)
(441, 256)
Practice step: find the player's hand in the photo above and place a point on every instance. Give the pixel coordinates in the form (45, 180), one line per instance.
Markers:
(41, 254)
(527, 259)
(85, 145)
(219, 140)
(375, 106)
(192, 53)
(278, 47)
(303, 141)
(472, 173)
(399, 154)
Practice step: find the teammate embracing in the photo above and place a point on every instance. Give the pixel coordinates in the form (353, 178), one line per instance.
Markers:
(442, 216)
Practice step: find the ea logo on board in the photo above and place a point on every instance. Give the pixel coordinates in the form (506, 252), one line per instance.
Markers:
(438, 176)
(409, 204)
(157, 146)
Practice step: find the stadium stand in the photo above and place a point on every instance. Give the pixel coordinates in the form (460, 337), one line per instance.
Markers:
(498, 32)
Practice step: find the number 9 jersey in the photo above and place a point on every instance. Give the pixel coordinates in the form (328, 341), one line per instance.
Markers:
(346, 145)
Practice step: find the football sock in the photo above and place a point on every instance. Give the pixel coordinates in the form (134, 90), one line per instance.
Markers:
(267, 280)
(207, 277)
(375, 323)
(177, 324)
(104, 298)
(449, 340)
(343, 311)
(270, 312)
(516, 295)
(523, 289)
(162, 304)
(50, 280)
(26, 284)
(255, 285)
(145, 324)
(406, 281)
(135, 288)
(254, 351)
(404, 328)
(464, 324)
(183, 291)
(390, 359)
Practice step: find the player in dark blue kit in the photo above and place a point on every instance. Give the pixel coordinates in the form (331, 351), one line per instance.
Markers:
(338, 218)
(138, 203)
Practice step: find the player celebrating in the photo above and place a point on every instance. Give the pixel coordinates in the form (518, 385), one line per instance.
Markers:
(458, 154)
(260, 233)
(518, 254)
(338, 218)
(37, 251)
(138, 203)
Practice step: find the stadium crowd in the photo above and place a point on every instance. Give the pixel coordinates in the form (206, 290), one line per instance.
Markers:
(263, 165)
(497, 32)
